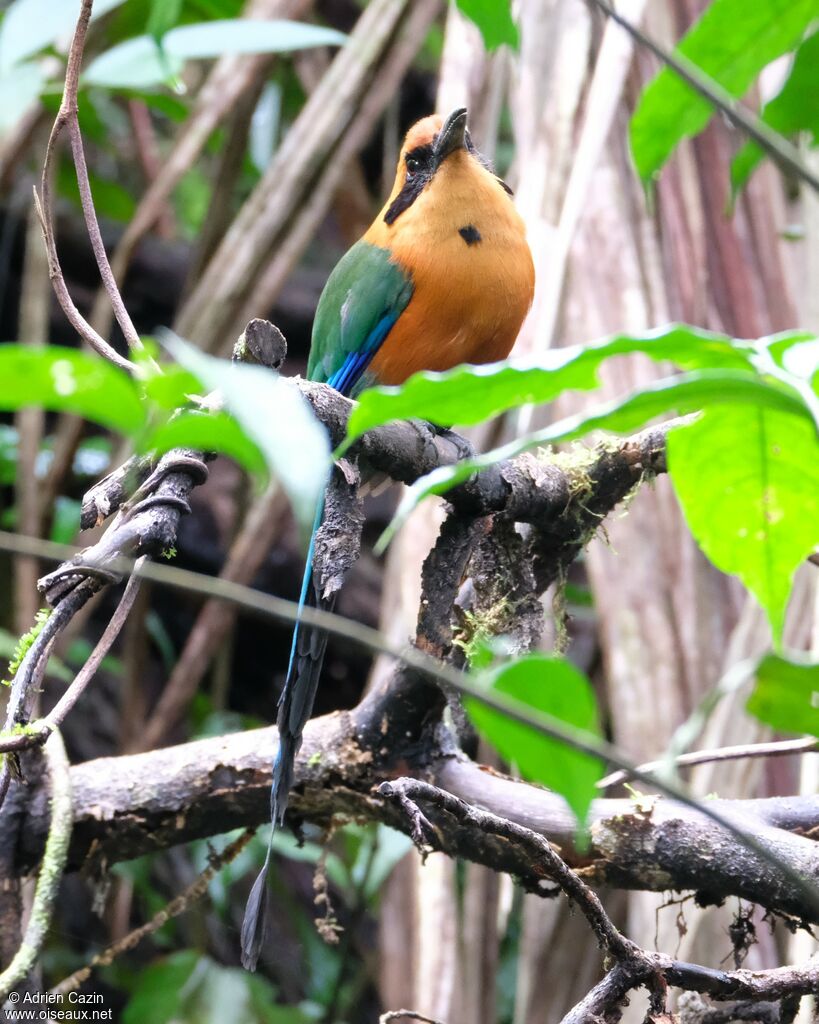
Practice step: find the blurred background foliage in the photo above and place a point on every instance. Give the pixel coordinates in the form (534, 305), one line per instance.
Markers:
(235, 151)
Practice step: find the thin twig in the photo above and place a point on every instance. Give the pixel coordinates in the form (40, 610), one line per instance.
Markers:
(391, 1015)
(606, 995)
(248, 551)
(51, 871)
(24, 686)
(35, 307)
(230, 77)
(67, 115)
(775, 748)
(40, 731)
(95, 237)
(774, 144)
(194, 892)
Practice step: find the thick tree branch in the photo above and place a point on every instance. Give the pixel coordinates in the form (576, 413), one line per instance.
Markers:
(128, 806)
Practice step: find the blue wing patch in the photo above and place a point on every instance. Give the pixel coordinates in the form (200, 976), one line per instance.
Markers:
(353, 367)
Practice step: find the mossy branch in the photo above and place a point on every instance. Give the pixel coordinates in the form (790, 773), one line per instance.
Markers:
(51, 871)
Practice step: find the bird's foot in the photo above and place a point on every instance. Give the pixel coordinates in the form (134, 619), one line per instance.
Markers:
(458, 441)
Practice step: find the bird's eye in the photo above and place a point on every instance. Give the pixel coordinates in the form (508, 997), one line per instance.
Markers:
(413, 165)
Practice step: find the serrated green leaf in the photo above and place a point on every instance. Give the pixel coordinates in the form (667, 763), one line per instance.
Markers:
(786, 694)
(471, 394)
(65, 380)
(794, 109)
(732, 42)
(556, 687)
(685, 394)
(138, 63)
(748, 482)
(494, 20)
(274, 417)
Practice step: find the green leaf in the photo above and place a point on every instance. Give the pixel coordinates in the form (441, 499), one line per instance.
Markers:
(685, 394)
(748, 482)
(65, 522)
(29, 25)
(391, 847)
(794, 109)
(158, 994)
(164, 15)
(111, 199)
(786, 694)
(732, 42)
(208, 432)
(170, 388)
(189, 988)
(8, 454)
(191, 199)
(494, 19)
(471, 394)
(274, 416)
(65, 380)
(19, 88)
(138, 62)
(172, 107)
(556, 687)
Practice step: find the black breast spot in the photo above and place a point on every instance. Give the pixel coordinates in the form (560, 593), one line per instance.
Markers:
(470, 234)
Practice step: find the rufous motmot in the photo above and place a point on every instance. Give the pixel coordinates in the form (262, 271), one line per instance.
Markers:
(443, 276)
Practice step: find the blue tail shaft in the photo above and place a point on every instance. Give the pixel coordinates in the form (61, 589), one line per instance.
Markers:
(295, 706)
(299, 692)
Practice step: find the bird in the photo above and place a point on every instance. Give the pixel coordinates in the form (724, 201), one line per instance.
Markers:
(443, 276)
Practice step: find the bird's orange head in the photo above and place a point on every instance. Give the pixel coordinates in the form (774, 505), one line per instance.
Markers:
(440, 179)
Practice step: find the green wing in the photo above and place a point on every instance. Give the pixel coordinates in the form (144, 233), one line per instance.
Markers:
(363, 297)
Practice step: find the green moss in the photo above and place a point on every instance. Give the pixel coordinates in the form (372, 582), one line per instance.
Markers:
(575, 462)
(24, 644)
(480, 627)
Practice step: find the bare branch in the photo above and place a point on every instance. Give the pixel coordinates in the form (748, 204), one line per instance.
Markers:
(391, 1015)
(545, 860)
(775, 748)
(130, 805)
(67, 115)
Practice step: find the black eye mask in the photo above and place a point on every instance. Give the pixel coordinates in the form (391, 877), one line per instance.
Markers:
(421, 164)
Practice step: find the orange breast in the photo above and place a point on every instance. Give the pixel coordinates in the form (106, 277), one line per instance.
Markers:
(470, 297)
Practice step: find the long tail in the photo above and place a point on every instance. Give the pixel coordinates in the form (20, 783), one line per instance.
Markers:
(295, 707)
